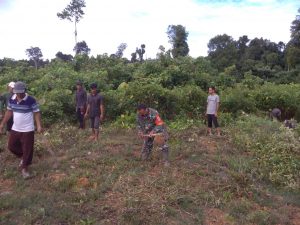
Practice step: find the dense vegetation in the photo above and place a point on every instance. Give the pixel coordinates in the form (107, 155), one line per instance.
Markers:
(175, 86)
(251, 76)
(250, 175)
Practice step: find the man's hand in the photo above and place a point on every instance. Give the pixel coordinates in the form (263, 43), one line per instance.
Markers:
(140, 134)
(39, 129)
(1, 129)
(216, 114)
(85, 115)
(152, 133)
(82, 111)
(101, 117)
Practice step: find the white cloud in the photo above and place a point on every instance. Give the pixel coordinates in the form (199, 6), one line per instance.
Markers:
(106, 24)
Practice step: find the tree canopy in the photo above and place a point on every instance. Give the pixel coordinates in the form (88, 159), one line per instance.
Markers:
(35, 54)
(81, 48)
(178, 35)
(73, 12)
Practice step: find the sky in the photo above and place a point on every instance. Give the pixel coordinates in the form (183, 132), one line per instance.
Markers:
(107, 24)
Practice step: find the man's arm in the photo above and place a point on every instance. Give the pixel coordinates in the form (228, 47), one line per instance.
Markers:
(101, 111)
(2, 104)
(139, 127)
(87, 107)
(217, 106)
(87, 110)
(159, 123)
(7, 116)
(38, 121)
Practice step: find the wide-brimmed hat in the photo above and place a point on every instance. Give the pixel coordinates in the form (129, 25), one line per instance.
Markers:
(11, 84)
(20, 87)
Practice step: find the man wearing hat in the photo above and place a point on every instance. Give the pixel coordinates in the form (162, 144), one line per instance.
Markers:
(95, 111)
(4, 102)
(80, 101)
(24, 110)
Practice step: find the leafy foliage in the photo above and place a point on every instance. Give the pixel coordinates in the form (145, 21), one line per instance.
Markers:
(274, 147)
(177, 35)
(81, 48)
(121, 49)
(35, 54)
(73, 12)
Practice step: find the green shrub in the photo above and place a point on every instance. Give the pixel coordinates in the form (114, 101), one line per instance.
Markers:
(57, 105)
(237, 99)
(285, 97)
(190, 100)
(126, 121)
(225, 119)
(275, 149)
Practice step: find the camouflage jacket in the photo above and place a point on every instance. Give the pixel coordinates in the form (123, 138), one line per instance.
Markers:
(150, 122)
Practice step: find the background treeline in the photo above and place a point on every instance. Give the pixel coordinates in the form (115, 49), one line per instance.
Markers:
(250, 75)
(175, 86)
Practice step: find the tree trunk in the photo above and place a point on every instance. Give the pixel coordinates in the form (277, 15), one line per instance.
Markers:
(75, 32)
(35, 63)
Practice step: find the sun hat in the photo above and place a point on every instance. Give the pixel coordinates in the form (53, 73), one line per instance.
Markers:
(20, 87)
(11, 84)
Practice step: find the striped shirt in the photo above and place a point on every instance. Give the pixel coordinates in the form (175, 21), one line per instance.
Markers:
(23, 113)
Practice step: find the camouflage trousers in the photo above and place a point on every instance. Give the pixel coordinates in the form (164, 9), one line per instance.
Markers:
(148, 146)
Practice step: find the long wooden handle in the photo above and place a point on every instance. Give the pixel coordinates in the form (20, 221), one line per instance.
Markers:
(152, 135)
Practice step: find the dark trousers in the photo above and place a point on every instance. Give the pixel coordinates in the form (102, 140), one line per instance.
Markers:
(212, 119)
(148, 146)
(21, 144)
(80, 117)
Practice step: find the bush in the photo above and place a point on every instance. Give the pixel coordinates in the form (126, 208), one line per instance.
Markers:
(275, 149)
(190, 100)
(126, 121)
(237, 99)
(57, 105)
(285, 97)
(173, 87)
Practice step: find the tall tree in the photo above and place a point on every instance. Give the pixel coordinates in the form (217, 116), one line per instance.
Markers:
(121, 49)
(141, 51)
(222, 51)
(81, 48)
(178, 39)
(35, 54)
(133, 57)
(73, 12)
(295, 31)
(293, 46)
(292, 57)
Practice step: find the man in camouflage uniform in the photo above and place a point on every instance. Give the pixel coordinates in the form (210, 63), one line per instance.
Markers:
(150, 125)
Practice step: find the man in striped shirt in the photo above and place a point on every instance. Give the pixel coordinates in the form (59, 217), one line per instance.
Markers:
(24, 110)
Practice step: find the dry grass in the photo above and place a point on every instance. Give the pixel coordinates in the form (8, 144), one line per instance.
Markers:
(81, 182)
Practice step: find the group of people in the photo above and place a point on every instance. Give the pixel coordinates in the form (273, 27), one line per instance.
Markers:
(22, 113)
(91, 106)
(149, 123)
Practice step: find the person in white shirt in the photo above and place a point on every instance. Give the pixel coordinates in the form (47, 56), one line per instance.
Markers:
(213, 103)
(24, 110)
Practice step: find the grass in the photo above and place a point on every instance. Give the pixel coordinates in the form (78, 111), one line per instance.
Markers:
(83, 183)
